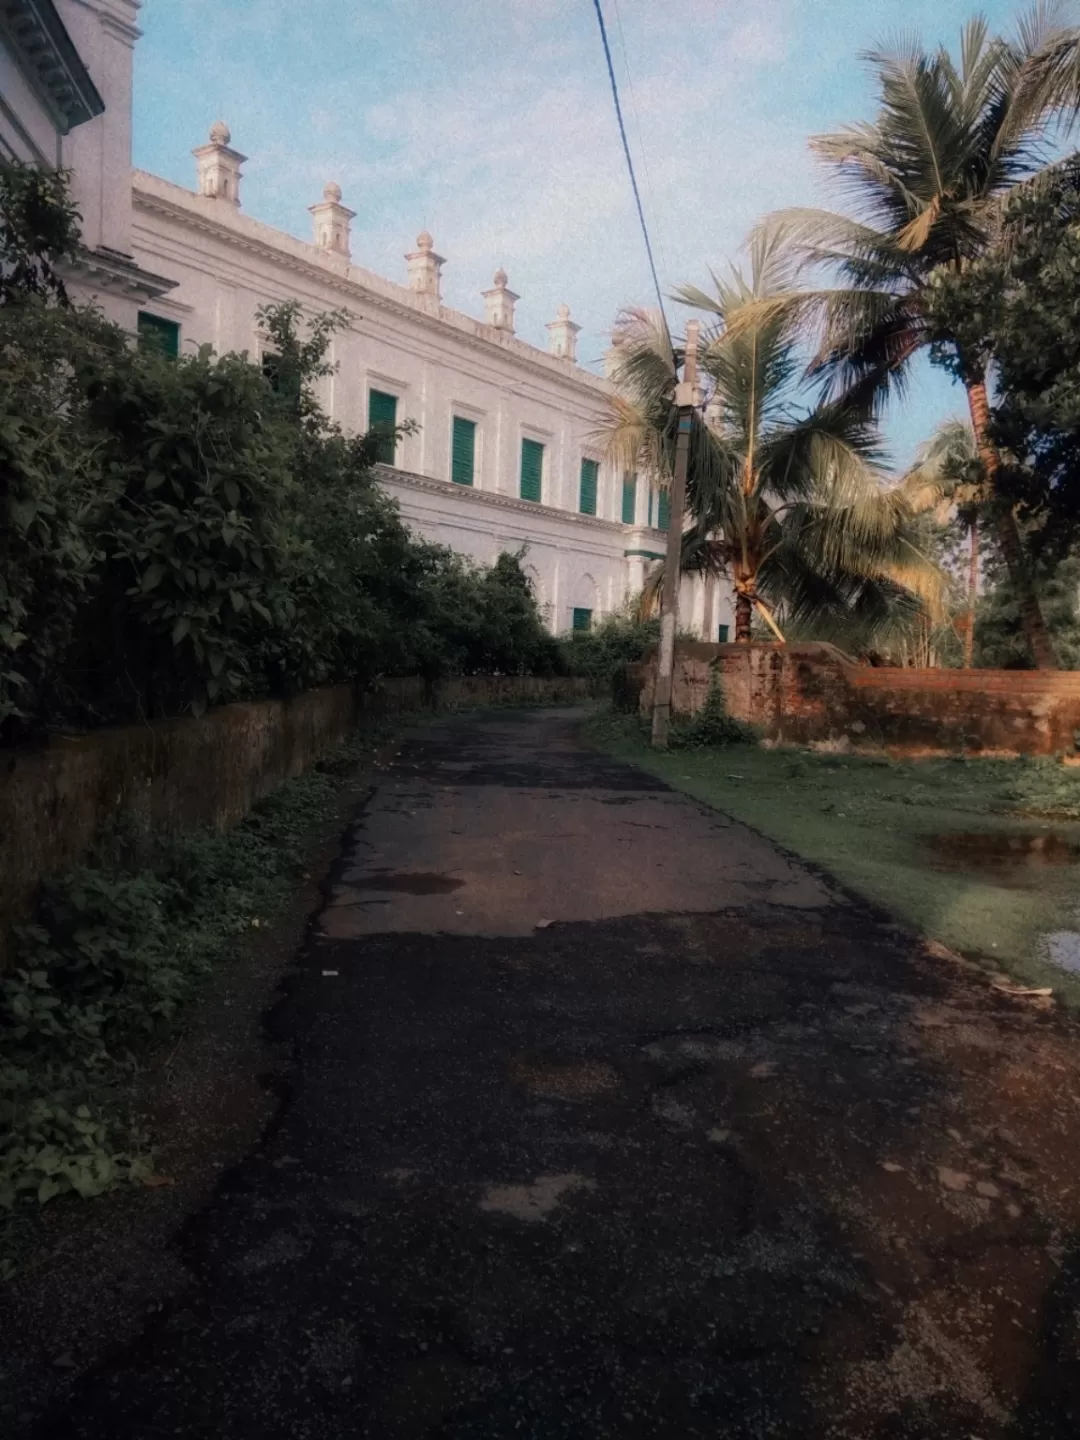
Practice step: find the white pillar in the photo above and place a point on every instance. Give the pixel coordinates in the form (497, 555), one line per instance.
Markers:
(99, 151)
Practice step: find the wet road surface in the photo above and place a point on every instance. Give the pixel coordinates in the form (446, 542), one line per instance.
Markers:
(606, 1118)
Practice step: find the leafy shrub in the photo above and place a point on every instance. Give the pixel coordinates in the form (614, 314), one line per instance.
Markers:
(38, 227)
(114, 951)
(177, 533)
(712, 727)
(616, 641)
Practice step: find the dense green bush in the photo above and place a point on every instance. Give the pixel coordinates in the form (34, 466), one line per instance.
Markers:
(712, 727)
(616, 641)
(1000, 641)
(176, 533)
(180, 533)
(115, 948)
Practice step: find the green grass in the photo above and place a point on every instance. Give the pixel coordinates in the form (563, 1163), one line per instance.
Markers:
(870, 821)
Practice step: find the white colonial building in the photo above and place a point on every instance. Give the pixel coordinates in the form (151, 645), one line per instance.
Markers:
(505, 447)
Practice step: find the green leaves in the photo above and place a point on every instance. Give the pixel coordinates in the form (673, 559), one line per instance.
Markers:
(181, 533)
(39, 226)
(112, 956)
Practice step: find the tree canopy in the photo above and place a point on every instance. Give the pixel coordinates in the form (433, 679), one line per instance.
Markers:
(788, 505)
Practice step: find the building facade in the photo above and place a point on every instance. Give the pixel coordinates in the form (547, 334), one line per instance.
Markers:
(503, 442)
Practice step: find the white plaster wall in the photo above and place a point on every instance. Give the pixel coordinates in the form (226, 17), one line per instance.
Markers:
(573, 559)
(99, 152)
(27, 131)
(438, 363)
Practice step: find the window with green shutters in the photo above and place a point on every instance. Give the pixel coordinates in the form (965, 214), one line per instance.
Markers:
(663, 510)
(581, 619)
(532, 469)
(629, 498)
(163, 334)
(722, 632)
(382, 418)
(463, 456)
(590, 476)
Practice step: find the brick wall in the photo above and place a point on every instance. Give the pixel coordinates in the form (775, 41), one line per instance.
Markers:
(816, 695)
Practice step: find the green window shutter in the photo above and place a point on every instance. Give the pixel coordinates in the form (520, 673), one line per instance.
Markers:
(532, 469)
(582, 619)
(590, 475)
(382, 417)
(463, 458)
(663, 510)
(154, 330)
(722, 634)
(629, 497)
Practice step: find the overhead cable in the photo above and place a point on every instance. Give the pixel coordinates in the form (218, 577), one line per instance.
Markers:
(630, 163)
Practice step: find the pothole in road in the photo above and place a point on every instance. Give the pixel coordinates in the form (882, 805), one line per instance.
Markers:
(409, 882)
(535, 1201)
(564, 1079)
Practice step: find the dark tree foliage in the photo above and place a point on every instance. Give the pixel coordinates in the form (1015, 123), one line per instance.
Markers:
(1018, 311)
(177, 533)
(39, 227)
(999, 635)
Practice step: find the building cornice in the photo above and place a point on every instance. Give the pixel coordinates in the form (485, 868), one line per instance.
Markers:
(119, 17)
(469, 495)
(354, 284)
(48, 57)
(480, 362)
(117, 274)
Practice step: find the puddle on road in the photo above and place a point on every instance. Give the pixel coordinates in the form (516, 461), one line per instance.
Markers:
(1062, 948)
(1013, 861)
(408, 882)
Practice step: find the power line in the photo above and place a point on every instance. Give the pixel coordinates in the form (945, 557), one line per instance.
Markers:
(630, 163)
(640, 134)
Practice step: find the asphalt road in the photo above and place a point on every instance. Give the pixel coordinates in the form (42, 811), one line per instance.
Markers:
(608, 1119)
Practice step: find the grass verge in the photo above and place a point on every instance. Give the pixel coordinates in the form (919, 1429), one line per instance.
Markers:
(887, 829)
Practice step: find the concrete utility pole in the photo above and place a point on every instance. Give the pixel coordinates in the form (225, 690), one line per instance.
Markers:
(685, 400)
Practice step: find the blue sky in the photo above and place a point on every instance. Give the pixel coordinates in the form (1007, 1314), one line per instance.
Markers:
(490, 123)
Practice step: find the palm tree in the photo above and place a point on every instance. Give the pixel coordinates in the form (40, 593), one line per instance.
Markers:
(948, 479)
(927, 181)
(790, 508)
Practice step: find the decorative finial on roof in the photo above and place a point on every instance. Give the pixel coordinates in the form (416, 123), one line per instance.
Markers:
(219, 166)
(562, 334)
(331, 221)
(499, 304)
(425, 269)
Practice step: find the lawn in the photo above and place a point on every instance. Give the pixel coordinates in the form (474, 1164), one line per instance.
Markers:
(982, 855)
